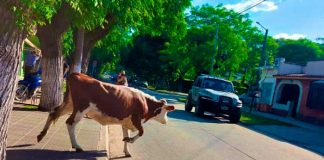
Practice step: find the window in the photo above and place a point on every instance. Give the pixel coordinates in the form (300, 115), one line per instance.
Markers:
(197, 83)
(315, 98)
(218, 85)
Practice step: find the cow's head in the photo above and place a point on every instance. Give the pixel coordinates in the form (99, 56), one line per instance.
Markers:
(161, 112)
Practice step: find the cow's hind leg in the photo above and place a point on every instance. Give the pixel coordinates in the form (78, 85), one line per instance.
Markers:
(52, 117)
(46, 127)
(126, 136)
(71, 122)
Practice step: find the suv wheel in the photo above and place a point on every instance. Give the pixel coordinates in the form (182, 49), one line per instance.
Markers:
(188, 105)
(235, 115)
(199, 109)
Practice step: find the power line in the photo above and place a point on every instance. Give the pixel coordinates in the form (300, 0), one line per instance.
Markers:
(251, 6)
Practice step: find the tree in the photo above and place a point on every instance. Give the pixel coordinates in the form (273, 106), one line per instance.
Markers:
(11, 45)
(51, 36)
(216, 42)
(156, 17)
(128, 14)
(144, 58)
(18, 19)
(299, 51)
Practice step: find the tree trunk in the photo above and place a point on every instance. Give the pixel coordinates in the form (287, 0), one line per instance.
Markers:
(52, 70)
(52, 80)
(91, 37)
(85, 58)
(51, 36)
(77, 55)
(11, 43)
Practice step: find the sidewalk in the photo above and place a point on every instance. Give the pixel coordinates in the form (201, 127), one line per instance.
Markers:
(26, 124)
(288, 120)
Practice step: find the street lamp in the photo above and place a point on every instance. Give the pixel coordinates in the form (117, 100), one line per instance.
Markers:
(263, 63)
(263, 59)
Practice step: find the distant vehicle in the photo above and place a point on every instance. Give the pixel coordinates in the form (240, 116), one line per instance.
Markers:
(215, 95)
(28, 87)
(138, 82)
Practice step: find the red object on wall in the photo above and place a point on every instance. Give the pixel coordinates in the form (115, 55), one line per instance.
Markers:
(263, 107)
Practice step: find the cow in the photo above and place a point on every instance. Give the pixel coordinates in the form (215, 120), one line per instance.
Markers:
(107, 104)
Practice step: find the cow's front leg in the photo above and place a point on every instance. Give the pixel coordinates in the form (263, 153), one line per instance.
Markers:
(138, 125)
(71, 122)
(126, 137)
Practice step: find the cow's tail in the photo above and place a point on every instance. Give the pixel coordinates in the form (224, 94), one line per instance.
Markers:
(53, 116)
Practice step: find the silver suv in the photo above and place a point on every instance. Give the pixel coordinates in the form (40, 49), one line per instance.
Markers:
(215, 95)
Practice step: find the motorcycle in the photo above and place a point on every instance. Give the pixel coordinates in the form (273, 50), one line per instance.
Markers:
(28, 86)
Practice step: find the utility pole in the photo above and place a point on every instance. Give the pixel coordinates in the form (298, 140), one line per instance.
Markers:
(211, 70)
(264, 57)
(216, 50)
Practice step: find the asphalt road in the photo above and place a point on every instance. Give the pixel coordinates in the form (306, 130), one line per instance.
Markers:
(187, 137)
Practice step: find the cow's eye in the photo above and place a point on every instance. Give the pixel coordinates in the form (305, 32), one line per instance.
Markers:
(157, 111)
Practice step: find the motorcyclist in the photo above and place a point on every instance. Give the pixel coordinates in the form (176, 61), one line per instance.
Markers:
(32, 69)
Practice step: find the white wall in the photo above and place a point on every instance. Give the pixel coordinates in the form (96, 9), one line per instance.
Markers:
(315, 68)
(286, 68)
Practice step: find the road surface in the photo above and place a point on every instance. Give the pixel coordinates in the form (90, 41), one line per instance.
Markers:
(187, 137)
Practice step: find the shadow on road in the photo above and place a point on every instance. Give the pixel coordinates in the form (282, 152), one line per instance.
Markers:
(29, 154)
(183, 115)
(300, 137)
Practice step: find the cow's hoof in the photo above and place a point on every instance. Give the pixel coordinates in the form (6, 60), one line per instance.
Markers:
(39, 138)
(131, 140)
(79, 150)
(127, 139)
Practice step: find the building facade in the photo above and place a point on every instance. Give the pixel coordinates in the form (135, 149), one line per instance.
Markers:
(294, 91)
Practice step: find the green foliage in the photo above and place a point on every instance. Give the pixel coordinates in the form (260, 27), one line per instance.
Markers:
(34, 39)
(89, 14)
(106, 61)
(31, 13)
(144, 58)
(299, 51)
(216, 38)
(134, 17)
(68, 45)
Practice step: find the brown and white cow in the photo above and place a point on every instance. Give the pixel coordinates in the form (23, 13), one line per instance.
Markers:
(107, 104)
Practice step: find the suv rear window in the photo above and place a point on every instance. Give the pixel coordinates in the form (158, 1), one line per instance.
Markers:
(218, 85)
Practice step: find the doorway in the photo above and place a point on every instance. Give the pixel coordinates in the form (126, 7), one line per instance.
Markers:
(290, 92)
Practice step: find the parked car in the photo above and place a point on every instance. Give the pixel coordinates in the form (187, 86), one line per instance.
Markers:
(215, 95)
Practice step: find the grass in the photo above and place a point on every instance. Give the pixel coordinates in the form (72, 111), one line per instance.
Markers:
(251, 119)
(30, 107)
(151, 87)
(184, 100)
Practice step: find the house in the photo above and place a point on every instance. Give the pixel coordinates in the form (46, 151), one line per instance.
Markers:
(294, 90)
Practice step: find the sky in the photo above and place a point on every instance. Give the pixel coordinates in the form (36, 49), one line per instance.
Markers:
(289, 19)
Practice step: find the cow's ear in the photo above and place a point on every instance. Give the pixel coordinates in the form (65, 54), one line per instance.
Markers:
(163, 101)
(169, 108)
